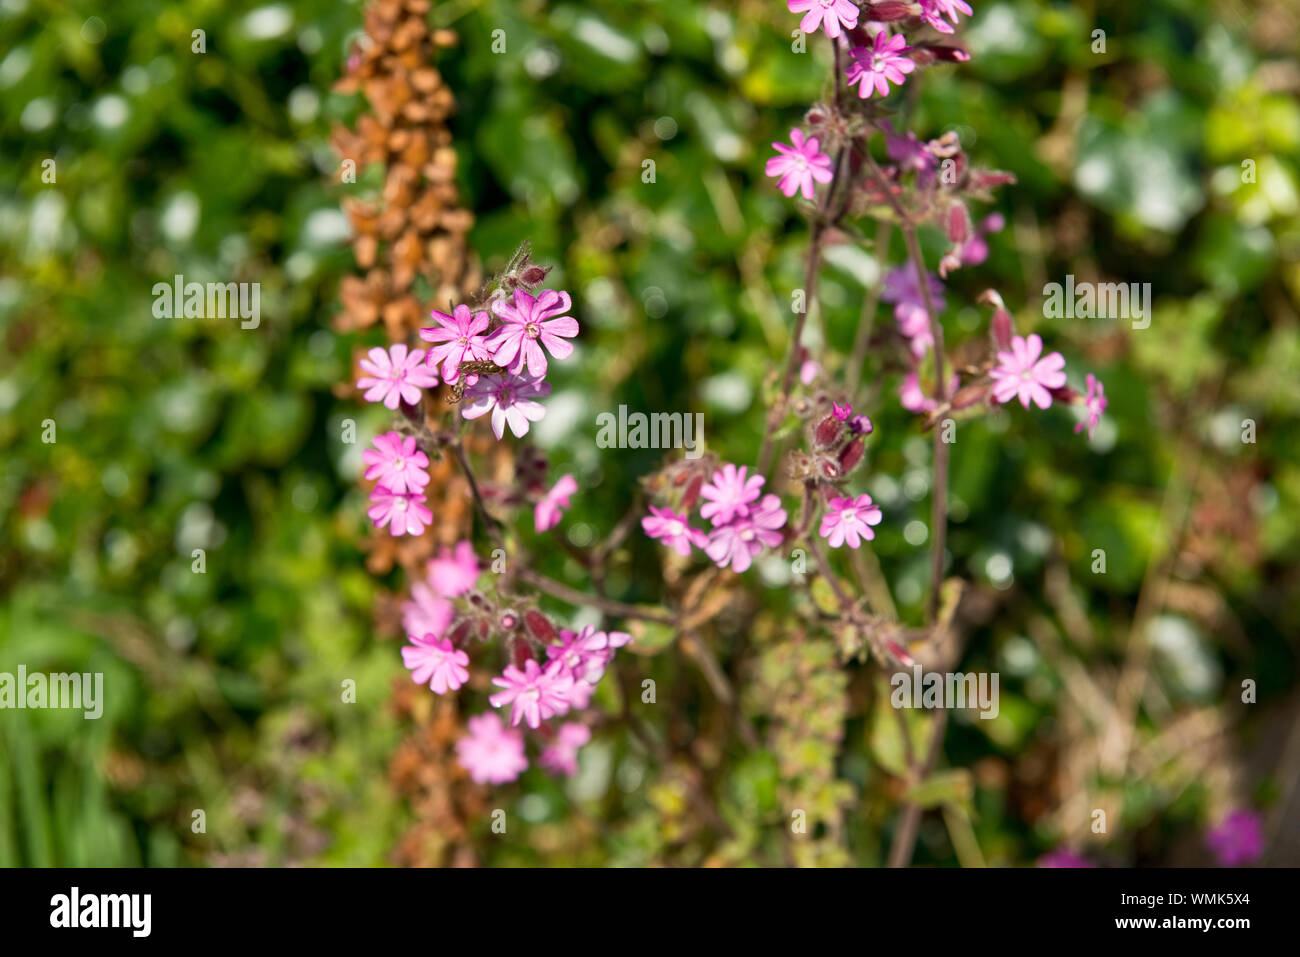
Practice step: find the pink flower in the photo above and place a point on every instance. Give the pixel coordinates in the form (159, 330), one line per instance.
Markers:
(533, 694)
(527, 321)
(561, 757)
(1022, 373)
(461, 337)
(491, 752)
(394, 375)
(736, 544)
(797, 166)
(426, 612)
(1094, 404)
(931, 10)
(396, 463)
(547, 512)
(670, 528)
(831, 14)
(729, 494)
(510, 399)
(879, 65)
(403, 512)
(911, 398)
(809, 371)
(1239, 839)
(453, 573)
(850, 520)
(433, 659)
(909, 153)
(902, 288)
(584, 655)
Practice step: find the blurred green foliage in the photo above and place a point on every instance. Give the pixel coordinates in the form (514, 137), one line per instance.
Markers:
(175, 435)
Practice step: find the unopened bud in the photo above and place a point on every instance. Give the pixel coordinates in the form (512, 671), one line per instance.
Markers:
(827, 433)
(534, 276)
(851, 455)
(539, 626)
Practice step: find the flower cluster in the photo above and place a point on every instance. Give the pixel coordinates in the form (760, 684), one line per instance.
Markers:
(744, 520)
(920, 181)
(508, 359)
(524, 325)
(536, 693)
(552, 674)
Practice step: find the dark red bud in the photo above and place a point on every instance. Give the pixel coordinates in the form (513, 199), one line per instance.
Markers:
(971, 395)
(827, 432)
(889, 11)
(522, 654)
(534, 275)
(851, 455)
(1002, 328)
(957, 223)
(945, 53)
(460, 633)
(692, 493)
(539, 627)
(899, 653)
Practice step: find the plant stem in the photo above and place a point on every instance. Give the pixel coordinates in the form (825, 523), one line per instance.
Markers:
(574, 597)
(900, 851)
(778, 411)
(493, 526)
(939, 499)
(867, 319)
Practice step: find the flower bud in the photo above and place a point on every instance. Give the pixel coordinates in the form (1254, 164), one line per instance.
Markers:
(522, 654)
(533, 276)
(851, 456)
(889, 10)
(827, 433)
(692, 493)
(1000, 326)
(539, 626)
(459, 633)
(899, 654)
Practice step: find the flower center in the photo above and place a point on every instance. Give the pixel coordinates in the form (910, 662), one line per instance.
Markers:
(532, 330)
(848, 515)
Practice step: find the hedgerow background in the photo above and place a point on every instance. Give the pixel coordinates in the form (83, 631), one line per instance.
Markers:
(223, 689)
